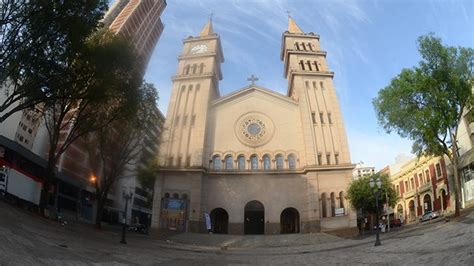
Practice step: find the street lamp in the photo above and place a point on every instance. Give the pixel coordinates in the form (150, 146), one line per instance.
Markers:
(377, 193)
(126, 196)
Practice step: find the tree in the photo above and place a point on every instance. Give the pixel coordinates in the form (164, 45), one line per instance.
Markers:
(39, 40)
(114, 148)
(99, 87)
(146, 177)
(426, 103)
(362, 196)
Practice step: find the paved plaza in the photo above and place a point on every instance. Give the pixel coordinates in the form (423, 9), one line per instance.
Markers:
(30, 240)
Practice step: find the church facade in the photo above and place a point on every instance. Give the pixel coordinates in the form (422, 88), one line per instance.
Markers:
(255, 161)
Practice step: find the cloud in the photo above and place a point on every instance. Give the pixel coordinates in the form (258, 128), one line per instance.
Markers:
(251, 34)
(375, 148)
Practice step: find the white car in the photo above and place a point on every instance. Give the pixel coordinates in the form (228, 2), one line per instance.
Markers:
(429, 215)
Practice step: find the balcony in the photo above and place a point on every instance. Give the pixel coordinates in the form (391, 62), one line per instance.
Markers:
(424, 188)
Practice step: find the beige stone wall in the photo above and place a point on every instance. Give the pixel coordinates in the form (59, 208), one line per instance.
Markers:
(286, 124)
(284, 116)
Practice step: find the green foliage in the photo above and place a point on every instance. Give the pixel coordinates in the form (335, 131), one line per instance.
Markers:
(146, 175)
(361, 195)
(40, 41)
(425, 103)
(115, 147)
(99, 87)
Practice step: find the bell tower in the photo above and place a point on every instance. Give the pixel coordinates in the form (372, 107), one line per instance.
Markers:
(195, 85)
(310, 82)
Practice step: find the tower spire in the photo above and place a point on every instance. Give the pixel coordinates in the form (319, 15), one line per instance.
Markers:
(207, 30)
(292, 27)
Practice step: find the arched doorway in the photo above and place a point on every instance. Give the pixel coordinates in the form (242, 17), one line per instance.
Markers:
(427, 203)
(254, 218)
(289, 221)
(444, 199)
(411, 212)
(400, 211)
(333, 204)
(219, 221)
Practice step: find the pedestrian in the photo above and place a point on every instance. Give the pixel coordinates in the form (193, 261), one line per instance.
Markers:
(208, 222)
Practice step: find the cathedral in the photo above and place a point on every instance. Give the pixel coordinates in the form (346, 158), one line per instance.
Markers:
(253, 161)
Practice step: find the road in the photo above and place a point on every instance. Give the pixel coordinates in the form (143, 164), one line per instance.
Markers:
(30, 240)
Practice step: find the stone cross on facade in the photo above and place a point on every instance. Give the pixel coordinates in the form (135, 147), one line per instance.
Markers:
(252, 79)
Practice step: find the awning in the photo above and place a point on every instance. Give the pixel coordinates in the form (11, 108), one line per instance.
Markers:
(38, 160)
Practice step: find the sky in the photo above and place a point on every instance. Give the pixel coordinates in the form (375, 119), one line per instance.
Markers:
(368, 42)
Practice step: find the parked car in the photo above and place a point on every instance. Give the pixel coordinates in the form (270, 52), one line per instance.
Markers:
(429, 215)
(395, 222)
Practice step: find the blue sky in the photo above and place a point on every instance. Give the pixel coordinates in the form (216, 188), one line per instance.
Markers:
(367, 43)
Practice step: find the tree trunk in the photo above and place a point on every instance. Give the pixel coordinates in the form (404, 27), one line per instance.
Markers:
(457, 178)
(98, 214)
(456, 182)
(47, 181)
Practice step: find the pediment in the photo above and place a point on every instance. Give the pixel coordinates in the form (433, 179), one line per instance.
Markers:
(253, 89)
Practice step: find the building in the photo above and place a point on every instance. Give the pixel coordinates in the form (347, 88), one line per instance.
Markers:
(140, 209)
(362, 170)
(422, 185)
(466, 158)
(23, 149)
(138, 21)
(256, 161)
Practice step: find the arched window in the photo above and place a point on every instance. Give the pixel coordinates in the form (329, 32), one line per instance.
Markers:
(241, 162)
(229, 164)
(302, 64)
(175, 196)
(316, 67)
(341, 200)
(324, 210)
(297, 45)
(254, 162)
(194, 68)
(216, 162)
(186, 70)
(279, 161)
(167, 195)
(266, 162)
(291, 161)
(201, 68)
(333, 204)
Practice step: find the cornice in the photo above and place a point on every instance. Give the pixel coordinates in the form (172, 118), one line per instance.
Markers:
(236, 172)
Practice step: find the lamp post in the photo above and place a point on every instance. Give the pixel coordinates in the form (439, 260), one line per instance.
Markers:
(126, 196)
(377, 192)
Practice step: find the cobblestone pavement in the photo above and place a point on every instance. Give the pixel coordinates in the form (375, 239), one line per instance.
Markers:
(26, 239)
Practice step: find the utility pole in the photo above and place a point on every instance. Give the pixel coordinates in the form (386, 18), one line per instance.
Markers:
(126, 196)
(388, 214)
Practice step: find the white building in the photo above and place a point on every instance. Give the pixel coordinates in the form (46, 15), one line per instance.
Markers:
(361, 170)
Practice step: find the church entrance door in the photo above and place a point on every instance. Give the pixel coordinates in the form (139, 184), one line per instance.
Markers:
(219, 221)
(254, 218)
(289, 221)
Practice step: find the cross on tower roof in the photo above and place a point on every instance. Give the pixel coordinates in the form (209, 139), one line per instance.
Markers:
(252, 79)
(289, 13)
(210, 16)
